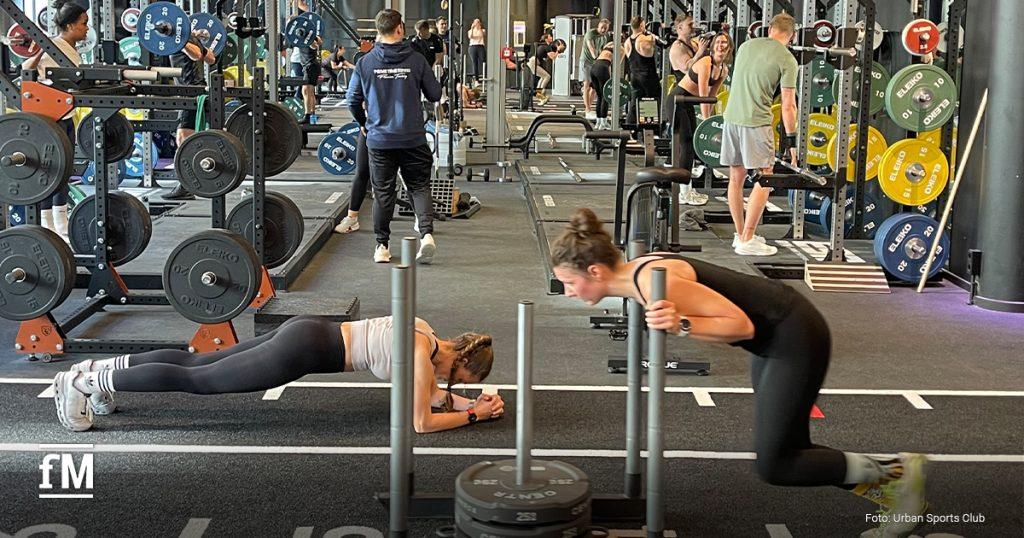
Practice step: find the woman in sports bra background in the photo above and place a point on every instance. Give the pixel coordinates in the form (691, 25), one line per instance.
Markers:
(704, 78)
(302, 345)
(790, 345)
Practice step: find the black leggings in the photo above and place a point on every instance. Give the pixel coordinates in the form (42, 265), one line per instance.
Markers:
(302, 345)
(600, 74)
(683, 120)
(644, 85)
(362, 179)
(787, 377)
(416, 165)
(477, 55)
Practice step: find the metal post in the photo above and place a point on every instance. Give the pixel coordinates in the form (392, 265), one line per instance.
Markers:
(806, 80)
(655, 440)
(846, 14)
(634, 377)
(401, 402)
(409, 245)
(524, 393)
(497, 38)
(273, 44)
(617, 61)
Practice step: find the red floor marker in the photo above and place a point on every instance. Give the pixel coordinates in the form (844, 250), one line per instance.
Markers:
(816, 413)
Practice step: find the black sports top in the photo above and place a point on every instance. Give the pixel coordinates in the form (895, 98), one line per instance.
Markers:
(765, 301)
(640, 65)
(679, 74)
(711, 81)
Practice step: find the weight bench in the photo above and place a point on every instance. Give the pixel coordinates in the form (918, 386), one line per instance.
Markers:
(286, 306)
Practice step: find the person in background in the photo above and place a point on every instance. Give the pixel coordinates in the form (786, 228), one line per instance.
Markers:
(477, 50)
(540, 64)
(593, 41)
(72, 20)
(390, 80)
(428, 44)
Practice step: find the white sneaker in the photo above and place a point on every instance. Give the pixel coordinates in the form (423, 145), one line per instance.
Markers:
(692, 197)
(427, 250)
(736, 240)
(102, 403)
(697, 171)
(755, 248)
(73, 409)
(590, 115)
(382, 254)
(347, 225)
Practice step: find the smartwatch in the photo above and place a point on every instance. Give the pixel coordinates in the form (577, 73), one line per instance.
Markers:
(684, 326)
(472, 416)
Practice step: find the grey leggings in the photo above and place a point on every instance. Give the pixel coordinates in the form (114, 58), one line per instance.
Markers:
(302, 345)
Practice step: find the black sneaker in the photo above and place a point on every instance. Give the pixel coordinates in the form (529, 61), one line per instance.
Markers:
(179, 193)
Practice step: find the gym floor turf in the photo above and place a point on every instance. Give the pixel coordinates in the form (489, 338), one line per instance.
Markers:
(909, 372)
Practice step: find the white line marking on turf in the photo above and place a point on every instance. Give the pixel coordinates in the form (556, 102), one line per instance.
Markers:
(48, 393)
(333, 197)
(65, 496)
(916, 400)
(274, 394)
(549, 201)
(703, 398)
(605, 388)
(778, 531)
(534, 170)
(457, 451)
(195, 528)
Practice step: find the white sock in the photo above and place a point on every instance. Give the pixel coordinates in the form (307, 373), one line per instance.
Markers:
(684, 189)
(861, 469)
(119, 362)
(93, 382)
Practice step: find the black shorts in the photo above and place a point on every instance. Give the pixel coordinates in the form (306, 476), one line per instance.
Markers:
(311, 74)
(187, 118)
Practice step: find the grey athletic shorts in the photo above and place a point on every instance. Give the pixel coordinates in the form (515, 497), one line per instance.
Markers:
(749, 147)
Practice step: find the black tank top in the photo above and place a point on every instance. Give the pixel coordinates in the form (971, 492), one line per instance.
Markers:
(765, 301)
(640, 65)
(678, 73)
(711, 81)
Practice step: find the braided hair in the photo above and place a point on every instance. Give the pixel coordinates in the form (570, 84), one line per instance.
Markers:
(473, 352)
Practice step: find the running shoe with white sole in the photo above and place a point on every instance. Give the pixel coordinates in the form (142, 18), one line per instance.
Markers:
(755, 248)
(73, 408)
(905, 500)
(347, 225)
(427, 250)
(382, 254)
(736, 239)
(102, 403)
(692, 197)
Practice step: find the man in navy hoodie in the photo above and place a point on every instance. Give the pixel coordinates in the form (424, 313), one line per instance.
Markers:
(390, 79)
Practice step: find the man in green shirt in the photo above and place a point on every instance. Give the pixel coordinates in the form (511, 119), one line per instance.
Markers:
(593, 41)
(762, 66)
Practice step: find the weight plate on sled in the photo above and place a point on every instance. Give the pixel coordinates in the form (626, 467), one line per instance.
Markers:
(211, 163)
(282, 227)
(36, 158)
(212, 276)
(479, 529)
(557, 491)
(129, 227)
(37, 272)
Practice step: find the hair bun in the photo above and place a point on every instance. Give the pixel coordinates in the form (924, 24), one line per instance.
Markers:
(585, 222)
